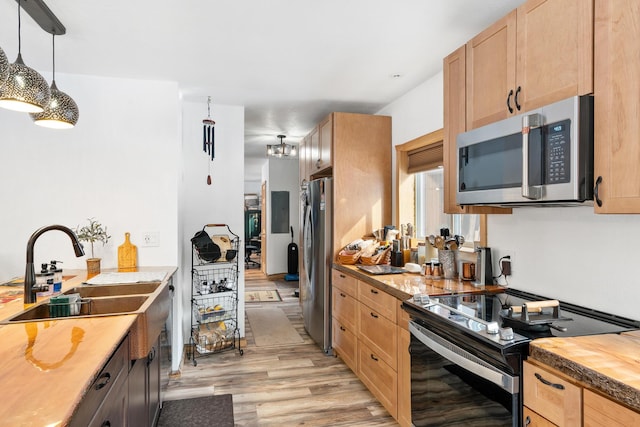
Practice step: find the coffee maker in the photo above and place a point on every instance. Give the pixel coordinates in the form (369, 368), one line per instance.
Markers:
(484, 269)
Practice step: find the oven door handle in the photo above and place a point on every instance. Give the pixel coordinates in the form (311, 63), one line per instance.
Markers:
(464, 359)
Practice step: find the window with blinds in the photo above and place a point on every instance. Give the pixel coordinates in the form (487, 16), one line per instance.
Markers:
(425, 158)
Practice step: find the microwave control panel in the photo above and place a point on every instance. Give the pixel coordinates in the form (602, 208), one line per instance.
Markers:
(558, 152)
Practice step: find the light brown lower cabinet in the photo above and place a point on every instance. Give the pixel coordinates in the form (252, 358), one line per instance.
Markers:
(552, 398)
(600, 411)
(370, 334)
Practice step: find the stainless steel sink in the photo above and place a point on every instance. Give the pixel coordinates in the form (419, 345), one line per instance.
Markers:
(92, 291)
(89, 308)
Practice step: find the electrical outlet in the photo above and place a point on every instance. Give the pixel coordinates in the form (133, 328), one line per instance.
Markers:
(150, 238)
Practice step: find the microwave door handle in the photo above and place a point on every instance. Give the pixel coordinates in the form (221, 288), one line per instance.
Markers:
(529, 121)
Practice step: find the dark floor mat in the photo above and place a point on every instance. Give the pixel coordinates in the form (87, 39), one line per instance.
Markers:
(200, 411)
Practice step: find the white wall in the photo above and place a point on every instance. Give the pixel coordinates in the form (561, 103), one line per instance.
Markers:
(222, 202)
(119, 165)
(281, 175)
(565, 253)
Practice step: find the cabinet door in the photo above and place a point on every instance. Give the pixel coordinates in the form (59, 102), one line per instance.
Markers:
(454, 123)
(532, 419)
(153, 384)
(137, 393)
(114, 410)
(404, 377)
(315, 154)
(345, 343)
(303, 149)
(380, 334)
(491, 73)
(617, 106)
(555, 51)
(600, 411)
(551, 396)
(379, 377)
(325, 129)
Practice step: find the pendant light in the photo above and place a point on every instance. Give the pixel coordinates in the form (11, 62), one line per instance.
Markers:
(25, 89)
(62, 111)
(4, 67)
(282, 149)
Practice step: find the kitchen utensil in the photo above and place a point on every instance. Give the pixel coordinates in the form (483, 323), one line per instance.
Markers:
(431, 239)
(459, 240)
(439, 242)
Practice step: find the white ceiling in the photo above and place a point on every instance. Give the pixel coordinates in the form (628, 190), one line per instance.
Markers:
(289, 62)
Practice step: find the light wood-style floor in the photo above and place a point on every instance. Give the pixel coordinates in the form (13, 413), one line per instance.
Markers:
(284, 386)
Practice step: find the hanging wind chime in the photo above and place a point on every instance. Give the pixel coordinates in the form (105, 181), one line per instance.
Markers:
(208, 137)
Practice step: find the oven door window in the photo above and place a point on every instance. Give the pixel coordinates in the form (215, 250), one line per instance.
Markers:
(445, 394)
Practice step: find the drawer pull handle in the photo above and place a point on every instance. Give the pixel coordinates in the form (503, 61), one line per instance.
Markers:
(549, 383)
(527, 420)
(343, 276)
(343, 329)
(106, 377)
(373, 291)
(106, 424)
(375, 316)
(374, 358)
(342, 295)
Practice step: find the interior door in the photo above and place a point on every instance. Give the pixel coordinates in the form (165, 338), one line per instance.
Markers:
(263, 228)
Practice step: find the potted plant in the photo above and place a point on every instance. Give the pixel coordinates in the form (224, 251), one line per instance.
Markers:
(92, 233)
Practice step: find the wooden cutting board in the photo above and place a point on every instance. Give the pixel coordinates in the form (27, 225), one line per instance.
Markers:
(127, 255)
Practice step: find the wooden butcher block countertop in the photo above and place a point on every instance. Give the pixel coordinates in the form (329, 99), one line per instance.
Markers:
(47, 366)
(608, 363)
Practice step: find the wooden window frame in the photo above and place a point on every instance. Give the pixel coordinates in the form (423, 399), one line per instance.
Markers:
(405, 206)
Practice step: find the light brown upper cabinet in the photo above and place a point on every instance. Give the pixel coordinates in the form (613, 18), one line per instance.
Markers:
(304, 153)
(617, 106)
(325, 129)
(454, 123)
(538, 54)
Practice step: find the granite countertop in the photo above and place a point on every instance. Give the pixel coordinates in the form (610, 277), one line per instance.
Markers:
(608, 363)
(404, 285)
(47, 366)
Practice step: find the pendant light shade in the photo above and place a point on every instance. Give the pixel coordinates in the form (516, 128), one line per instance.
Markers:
(62, 111)
(4, 67)
(25, 89)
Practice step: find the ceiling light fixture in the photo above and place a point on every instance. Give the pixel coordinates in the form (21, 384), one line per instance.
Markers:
(25, 89)
(282, 149)
(62, 111)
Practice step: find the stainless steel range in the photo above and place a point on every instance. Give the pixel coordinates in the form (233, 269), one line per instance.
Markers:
(467, 352)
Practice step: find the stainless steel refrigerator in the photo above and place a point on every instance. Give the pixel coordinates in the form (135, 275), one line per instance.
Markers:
(315, 280)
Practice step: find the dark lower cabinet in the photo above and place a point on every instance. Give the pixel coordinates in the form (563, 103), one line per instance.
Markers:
(144, 389)
(107, 400)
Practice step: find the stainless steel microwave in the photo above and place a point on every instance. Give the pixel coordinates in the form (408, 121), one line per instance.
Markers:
(542, 157)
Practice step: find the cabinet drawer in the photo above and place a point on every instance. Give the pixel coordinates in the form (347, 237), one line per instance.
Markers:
(378, 300)
(113, 411)
(345, 344)
(379, 378)
(109, 377)
(532, 419)
(600, 411)
(551, 396)
(344, 308)
(344, 282)
(379, 333)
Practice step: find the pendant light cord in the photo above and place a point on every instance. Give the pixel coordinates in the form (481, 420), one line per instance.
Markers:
(19, 24)
(53, 42)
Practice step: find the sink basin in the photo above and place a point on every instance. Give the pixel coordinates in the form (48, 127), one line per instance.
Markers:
(92, 291)
(90, 308)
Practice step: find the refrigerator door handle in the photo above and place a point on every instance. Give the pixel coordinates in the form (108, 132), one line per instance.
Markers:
(307, 236)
